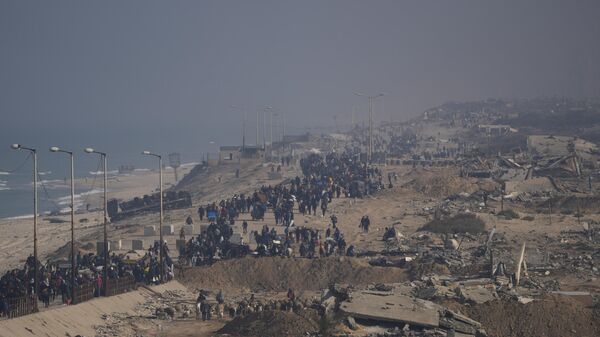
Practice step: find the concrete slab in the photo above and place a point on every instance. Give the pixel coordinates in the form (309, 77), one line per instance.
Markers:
(477, 294)
(392, 308)
(149, 231)
(100, 247)
(188, 229)
(168, 230)
(137, 244)
(115, 245)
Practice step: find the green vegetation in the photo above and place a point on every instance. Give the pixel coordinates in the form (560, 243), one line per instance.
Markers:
(460, 223)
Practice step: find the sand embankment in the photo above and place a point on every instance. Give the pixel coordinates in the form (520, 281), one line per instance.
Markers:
(79, 319)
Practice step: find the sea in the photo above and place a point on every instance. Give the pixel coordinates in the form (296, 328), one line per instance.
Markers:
(16, 183)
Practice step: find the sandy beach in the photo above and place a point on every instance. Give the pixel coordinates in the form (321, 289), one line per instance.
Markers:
(16, 235)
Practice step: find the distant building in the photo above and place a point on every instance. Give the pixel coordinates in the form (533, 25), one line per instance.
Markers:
(558, 146)
(296, 138)
(237, 153)
(229, 154)
(495, 129)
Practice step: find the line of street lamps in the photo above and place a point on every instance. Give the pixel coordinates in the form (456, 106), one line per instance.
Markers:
(103, 157)
(370, 147)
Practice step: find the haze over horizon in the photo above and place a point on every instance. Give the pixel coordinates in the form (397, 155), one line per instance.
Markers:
(125, 76)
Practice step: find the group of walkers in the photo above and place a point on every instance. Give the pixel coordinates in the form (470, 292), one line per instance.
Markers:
(213, 243)
(207, 307)
(55, 278)
(324, 179)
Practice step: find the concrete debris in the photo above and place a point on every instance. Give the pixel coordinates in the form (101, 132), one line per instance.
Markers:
(351, 323)
(425, 317)
(477, 294)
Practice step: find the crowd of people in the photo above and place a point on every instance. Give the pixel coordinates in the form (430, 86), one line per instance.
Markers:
(55, 277)
(207, 307)
(324, 179)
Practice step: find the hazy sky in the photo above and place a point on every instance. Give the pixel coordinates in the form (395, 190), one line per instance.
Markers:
(162, 74)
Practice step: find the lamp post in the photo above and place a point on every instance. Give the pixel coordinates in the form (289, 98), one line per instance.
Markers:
(105, 269)
(73, 265)
(243, 125)
(371, 98)
(160, 188)
(213, 143)
(35, 211)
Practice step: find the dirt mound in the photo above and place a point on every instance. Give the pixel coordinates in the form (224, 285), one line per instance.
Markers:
(573, 203)
(553, 316)
(63, 252)
(279, 274)
(442, 184)
(273, 324)
(460, 223)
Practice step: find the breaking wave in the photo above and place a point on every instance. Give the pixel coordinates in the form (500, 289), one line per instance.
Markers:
(97, 173)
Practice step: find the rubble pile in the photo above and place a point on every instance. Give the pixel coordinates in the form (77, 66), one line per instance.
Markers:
(149, 315)
(273, 323)
(510, 318)
(394, 312)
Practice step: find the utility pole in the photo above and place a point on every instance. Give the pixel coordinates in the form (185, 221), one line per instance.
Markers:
(264, 132)
(283, 123)
(243, 125)
(105, 269)
(244, 133)
(105, 229)
(271, 127)
(370, 145)
(35, 215)
(370, 153)
(73, 264)
(160, 222)
(160, 253)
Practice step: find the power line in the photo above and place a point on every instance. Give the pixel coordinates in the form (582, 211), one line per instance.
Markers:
(20, 166)
(85, 200)
(47, 195)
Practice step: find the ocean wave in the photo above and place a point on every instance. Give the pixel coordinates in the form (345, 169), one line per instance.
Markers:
(51, 183)
(20, 217)
(2, 173)
(142, 170)
(2, 188)
(67, 199)
(97, 173)
(43, 173)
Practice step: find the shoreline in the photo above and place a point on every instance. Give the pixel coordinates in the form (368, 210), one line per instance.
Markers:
(120, 186)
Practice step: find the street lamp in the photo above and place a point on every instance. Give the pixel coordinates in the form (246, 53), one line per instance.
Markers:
(73, 266)
(105, 271)
(160, 187)
(211, 144)
(371, 98)
(35, 211)
(265, 110)
(243, 126)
